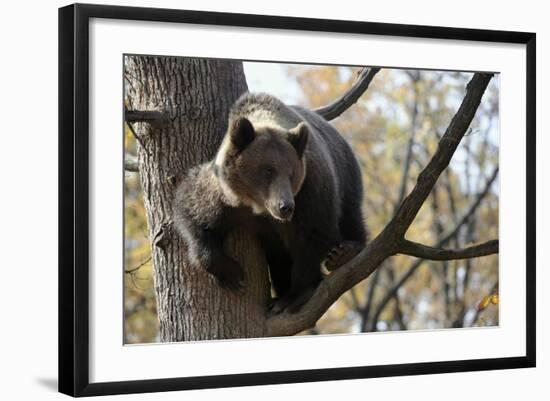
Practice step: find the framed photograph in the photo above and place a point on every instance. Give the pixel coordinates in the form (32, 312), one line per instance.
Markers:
(251, 199)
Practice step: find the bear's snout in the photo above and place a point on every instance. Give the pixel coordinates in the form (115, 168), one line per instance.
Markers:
(286, 208)
(281, 209)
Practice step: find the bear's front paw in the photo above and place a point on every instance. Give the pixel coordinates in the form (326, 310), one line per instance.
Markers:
(342, 254)
(230, 275)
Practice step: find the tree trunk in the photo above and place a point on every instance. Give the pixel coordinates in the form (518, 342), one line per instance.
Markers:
(196, 95)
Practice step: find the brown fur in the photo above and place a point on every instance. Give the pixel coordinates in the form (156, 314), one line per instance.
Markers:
(267, 169)
(291, 175)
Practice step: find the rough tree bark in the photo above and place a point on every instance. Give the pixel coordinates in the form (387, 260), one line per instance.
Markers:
(193, 97)
(178, 112)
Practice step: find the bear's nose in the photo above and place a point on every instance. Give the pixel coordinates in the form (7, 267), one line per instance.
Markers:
(286, 208)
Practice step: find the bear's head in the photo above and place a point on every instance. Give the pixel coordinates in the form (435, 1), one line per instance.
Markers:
(263, 167)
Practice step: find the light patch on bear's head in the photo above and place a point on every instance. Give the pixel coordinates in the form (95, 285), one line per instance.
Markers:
(223, 151)
(264, 118)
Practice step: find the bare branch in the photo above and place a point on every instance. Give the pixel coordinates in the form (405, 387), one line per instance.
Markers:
(440, 160)
(410, 145)
(146, 116)
(151, 117)
(344, 102)
(366, 311)
(135, 134)
(471, 210)
(329, 290)
(427, 252)
(442, 242)
(134, 269)
(387, 242)
(415, 78)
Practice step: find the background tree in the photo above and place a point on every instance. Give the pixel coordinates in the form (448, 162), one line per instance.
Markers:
(177, 116)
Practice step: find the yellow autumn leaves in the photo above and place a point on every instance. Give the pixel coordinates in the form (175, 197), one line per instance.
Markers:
(486, 301)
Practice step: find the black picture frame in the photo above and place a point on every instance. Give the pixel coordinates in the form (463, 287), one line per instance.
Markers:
(74, 198)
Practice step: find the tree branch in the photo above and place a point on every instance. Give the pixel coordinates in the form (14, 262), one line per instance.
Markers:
(344, 102)
(134, 133)
(146, 116)
(133, 270)
(387, 242)
(440, 160)
(442, 242)
(415, 78)
(427, 252)
(471, 210)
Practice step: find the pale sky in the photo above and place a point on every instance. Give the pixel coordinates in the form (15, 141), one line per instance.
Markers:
(273, 79)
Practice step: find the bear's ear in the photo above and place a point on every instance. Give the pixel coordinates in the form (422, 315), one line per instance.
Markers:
(241, 133)
(298, 137)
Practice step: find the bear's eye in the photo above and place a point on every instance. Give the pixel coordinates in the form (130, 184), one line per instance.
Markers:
(268, 172)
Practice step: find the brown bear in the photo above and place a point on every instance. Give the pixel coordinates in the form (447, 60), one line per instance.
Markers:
(289, 175)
